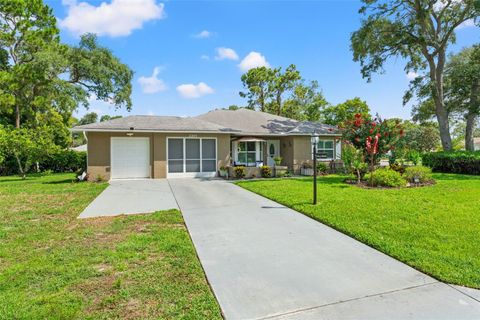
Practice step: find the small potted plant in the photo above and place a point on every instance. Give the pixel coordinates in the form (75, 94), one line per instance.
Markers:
(223, 171)
(307, 169)
(278, 160)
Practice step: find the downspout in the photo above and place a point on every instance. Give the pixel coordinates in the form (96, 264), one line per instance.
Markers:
(85, 136)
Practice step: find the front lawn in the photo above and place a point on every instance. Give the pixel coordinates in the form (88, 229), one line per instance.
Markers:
(434, 229)
(54, 266)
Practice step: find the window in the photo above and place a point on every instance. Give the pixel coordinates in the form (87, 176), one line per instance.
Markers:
(249, 153)
(325, 149)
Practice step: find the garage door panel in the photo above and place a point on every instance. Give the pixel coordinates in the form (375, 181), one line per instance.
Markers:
(130, 158)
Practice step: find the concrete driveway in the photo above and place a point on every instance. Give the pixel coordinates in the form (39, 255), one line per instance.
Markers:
(131, 197)
(267, 261)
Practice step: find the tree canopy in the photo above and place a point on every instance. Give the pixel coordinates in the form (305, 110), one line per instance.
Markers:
(419, 31)
(342, 112)
(283, 93)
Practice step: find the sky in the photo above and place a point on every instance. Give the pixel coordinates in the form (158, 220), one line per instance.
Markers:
(188, 56)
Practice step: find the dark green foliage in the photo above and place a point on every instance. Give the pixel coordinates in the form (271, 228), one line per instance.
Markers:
(65, 161)
(386, 177)
(266, 172)
(423, 174)
(239, 172)
(466, 162)
(322, 168)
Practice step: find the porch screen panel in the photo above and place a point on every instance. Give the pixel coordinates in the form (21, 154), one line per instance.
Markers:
(192, 160)
(209, 155)
(175, 155)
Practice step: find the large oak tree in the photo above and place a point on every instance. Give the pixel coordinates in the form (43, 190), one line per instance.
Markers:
(419, 31)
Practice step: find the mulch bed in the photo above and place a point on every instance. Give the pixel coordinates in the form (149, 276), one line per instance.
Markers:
(365, 184)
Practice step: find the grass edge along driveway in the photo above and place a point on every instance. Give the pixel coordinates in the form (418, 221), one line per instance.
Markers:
(53, 265)
(434, 229)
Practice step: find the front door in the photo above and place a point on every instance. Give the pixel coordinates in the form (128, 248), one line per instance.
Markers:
(273, 150)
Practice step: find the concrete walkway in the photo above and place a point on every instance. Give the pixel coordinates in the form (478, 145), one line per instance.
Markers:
(131, 197)
(266, 261)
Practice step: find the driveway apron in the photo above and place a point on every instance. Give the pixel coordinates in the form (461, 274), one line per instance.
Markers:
(264, 260)
(131, 197)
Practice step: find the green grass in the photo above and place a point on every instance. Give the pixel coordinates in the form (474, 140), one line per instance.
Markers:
(434, 229)
(54, 266)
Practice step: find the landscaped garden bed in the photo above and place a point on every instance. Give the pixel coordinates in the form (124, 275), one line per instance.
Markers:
(55, 266)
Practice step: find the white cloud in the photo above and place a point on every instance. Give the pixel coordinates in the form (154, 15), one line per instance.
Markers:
(411, 75)
(152, 84)
(204, 57)
(226, 53)
(203, 34)
(114, 19)
(253, 60)
(191, 91)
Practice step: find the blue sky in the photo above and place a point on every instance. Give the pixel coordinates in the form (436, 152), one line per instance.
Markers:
(174, 48)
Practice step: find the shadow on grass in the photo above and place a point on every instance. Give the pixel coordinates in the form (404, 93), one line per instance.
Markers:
(60, 181)
(455, 176)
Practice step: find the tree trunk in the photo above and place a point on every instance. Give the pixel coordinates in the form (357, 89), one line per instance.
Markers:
(17, 116)
(20, 168)
(279, 104)
(471, 119)
(436, 77)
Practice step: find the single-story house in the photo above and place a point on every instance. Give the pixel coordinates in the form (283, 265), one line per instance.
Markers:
(166, 146)
(476, 144)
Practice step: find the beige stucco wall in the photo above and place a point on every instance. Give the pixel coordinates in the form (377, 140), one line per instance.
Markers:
(98, 149)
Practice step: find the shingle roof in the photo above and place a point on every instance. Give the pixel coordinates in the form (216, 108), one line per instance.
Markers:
(240, 122)
(256, 123)
(153, 123)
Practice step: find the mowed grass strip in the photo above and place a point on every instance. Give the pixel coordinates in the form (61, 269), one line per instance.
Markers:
(54, 266)
(435, 229)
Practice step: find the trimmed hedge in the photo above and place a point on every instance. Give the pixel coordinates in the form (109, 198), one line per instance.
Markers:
(465, 162)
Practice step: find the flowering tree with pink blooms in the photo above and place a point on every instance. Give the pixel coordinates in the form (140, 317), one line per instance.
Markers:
(374, 137)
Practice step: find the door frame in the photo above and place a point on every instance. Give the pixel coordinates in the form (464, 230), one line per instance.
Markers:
(149, 156)
(191, 174)
(277, 149)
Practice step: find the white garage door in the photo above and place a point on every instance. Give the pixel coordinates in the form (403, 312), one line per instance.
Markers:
(130, 158)
(191, 157)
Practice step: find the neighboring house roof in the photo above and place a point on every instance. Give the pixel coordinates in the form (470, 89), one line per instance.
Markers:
(81, 148)
(239, 122)
(261, 123)
(153, 123)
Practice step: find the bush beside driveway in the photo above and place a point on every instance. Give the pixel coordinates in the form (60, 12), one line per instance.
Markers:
(434, 229)
(53, 265)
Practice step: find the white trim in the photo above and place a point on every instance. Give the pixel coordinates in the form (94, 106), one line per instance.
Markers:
(149, 156)
(201, 174)
(329, 149)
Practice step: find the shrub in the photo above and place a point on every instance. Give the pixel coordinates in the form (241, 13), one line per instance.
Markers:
(423, 174)
(65, 161)
(413, 156)
(266, 171)
(397, 167)
(322, 168)
(466, 162)
(239, 172)
(386, 178)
